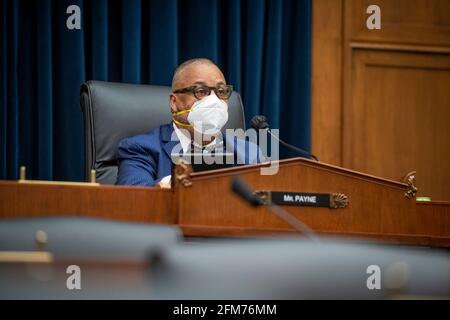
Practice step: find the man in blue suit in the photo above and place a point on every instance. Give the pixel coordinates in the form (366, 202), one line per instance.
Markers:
(199, 106)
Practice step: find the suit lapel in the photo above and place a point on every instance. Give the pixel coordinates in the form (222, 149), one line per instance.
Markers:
(166, 139)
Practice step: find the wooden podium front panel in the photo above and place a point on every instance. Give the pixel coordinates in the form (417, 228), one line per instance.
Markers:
(375, 205)
(434, 217)
(134, 204)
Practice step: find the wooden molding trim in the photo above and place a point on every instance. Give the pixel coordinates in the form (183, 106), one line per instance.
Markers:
(398, 47)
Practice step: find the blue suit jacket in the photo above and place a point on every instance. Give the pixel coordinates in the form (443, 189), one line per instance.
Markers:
(145, 159)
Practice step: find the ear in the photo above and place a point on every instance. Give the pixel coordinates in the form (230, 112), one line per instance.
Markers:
(172, 100)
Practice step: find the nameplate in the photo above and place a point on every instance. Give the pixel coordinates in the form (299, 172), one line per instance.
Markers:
(303, 199)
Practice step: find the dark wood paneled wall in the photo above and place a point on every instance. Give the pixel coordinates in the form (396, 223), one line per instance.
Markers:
(381, 98)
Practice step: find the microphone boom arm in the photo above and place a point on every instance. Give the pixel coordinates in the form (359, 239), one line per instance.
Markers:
(310, 155)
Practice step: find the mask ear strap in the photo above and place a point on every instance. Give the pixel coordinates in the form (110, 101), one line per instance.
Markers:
(181, 123)
(178, 122)
(181, 112)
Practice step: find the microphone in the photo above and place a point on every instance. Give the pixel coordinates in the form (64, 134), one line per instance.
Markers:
(243, 190)
(260, 122)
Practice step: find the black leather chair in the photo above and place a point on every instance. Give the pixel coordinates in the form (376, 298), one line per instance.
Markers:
(277, 268)
(87, 238)
(112, 256)
(113, 111)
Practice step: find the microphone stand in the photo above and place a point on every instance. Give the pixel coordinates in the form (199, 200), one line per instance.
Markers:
(287, 145)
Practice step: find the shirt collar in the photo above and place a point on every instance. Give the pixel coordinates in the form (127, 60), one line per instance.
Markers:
(186, 141)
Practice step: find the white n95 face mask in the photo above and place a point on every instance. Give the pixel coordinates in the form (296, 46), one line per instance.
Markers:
(207, 116)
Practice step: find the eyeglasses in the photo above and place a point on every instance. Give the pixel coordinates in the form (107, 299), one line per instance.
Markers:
(222, 91)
